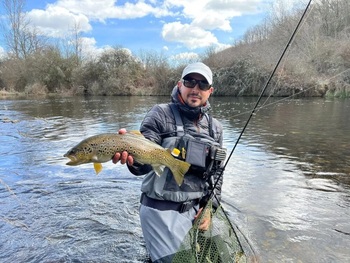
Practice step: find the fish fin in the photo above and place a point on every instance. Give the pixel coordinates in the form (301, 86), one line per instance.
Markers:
(94, 158)
(158, 169)
(135, 132)
(179, 171)
(97, 167)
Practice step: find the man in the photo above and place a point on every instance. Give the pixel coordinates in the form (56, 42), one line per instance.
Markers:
(168, 210)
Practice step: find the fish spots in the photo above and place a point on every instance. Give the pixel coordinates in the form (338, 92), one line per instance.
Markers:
(101, 148)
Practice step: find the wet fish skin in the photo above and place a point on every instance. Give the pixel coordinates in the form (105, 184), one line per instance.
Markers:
(101, 148)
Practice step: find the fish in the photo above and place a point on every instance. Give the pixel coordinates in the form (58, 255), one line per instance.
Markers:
(101, 148)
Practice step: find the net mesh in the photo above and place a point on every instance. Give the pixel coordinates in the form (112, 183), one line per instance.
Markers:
(219, 244)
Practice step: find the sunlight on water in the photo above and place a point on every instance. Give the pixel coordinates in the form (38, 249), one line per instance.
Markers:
(285, 187)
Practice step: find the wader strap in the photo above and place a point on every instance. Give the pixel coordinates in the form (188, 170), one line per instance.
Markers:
(178, 120)
(164, 205)
(211, 132)
(180, 125)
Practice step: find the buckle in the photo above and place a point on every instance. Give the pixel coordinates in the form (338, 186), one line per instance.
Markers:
(187, 206)
(219, 154)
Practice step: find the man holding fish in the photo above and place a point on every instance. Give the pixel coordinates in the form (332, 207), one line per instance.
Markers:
(169, 205)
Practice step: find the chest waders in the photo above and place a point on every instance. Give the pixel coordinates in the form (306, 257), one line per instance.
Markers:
(218, 244)
(216, 155)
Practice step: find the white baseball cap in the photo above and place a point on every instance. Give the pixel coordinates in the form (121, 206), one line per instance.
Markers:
(199, 68)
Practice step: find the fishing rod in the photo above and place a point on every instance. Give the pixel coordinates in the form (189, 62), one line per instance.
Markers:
(260, 97)
(221, 171)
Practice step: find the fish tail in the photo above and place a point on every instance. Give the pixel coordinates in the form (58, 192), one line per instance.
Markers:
(179, 170)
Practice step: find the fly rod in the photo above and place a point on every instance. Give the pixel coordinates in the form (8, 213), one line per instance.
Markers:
(261, 95)
(221, 171)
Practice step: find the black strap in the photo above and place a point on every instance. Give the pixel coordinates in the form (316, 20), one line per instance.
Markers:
(178, 120)
(179, 123)
(164, 205)
(210, 126)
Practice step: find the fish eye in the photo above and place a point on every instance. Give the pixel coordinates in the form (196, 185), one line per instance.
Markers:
(72, 151)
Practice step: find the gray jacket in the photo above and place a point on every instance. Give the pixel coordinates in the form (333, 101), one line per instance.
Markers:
(159, 126)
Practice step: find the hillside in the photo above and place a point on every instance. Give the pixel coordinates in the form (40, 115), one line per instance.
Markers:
(317, 62)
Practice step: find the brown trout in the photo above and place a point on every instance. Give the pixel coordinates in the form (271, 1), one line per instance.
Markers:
(101, 148)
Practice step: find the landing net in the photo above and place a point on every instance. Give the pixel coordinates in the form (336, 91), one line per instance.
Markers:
(219, 244)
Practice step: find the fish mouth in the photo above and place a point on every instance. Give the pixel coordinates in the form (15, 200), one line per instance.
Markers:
(73, 160)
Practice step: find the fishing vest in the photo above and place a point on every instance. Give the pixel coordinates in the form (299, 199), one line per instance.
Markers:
(201, 152)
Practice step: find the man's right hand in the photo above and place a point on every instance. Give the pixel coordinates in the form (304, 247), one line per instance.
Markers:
(123, 157)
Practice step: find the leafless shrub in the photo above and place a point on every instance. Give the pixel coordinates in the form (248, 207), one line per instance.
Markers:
(36, 89)
(319, 53)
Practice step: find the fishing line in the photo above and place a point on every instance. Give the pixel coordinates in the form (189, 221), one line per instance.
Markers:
(221, 171)
(286, 98)
(261, 95)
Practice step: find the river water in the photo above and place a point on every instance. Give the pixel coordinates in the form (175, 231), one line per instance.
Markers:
(286, 186)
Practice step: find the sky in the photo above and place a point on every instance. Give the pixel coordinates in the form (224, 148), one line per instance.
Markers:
(177, 28)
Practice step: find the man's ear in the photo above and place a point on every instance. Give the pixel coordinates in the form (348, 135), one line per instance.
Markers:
(179, 84)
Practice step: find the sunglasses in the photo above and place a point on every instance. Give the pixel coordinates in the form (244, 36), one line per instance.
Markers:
(191, 83)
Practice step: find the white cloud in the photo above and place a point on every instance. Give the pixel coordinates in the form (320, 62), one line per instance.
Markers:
(191, 24)
(2, 52)
(57, 21)
(215, 14)
(212, 22)
(231, 8)
(109, 9)
(191, 36)
(205, 16)
(90, 8)
(90, 50)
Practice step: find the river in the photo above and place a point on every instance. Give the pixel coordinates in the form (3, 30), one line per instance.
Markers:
(286, 186)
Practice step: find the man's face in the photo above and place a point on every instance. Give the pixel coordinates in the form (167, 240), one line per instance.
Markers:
(194, 97)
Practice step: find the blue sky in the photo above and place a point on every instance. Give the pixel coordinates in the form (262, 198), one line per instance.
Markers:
(176, 28)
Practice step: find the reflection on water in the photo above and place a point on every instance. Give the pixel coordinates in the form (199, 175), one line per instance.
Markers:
(290, 178)
(71, 221)
(287, 186)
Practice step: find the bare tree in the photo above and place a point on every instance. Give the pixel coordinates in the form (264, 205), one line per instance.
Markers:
(71, 46)
(77, 41)
(257, 33)
(20, 39)
(334, 17)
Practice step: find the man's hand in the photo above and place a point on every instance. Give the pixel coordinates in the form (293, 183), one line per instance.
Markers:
(205, 219)
(123, 157)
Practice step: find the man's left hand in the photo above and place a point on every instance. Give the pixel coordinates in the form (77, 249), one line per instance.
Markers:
(205, 219)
